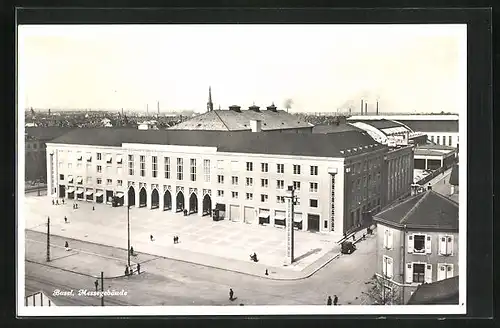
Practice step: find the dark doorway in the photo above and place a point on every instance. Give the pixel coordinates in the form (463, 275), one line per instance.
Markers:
(155, 199)
(179, 202)
(143, 197)
(131, 196)
(71, 195)
(62, 191)
(313, 222)
(167, 201)
(193, 203)
(207, 205)
(109, 196)
(98, 197)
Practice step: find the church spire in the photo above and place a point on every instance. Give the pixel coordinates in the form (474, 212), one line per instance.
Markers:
(210, 105)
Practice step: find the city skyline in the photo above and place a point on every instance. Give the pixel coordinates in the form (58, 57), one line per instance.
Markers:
(408, 69)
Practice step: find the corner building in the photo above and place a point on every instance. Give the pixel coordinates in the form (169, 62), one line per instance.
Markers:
(245, 174)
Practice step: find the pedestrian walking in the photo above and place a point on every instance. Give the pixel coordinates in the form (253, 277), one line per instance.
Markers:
(151, 238)
(138, 268)
(131, 250)
(63, 201)
(329, 300)
(231, 294)
(96, 283)
(267, 273)
(57, 202)
(93, 208)
(65, 219)
(335, 300)
(126, 271)
(66, 246)
(53, 202)
(174, 239)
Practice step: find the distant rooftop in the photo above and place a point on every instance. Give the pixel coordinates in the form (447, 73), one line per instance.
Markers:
(439, 292)
(231, 120)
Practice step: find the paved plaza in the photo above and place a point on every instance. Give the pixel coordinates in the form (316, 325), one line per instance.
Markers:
(223, 244)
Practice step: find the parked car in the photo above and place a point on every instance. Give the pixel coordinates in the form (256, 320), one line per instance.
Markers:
(347, 247)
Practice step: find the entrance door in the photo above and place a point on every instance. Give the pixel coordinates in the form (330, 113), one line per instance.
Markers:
(62, 191)
(249, 215)
(313, 222)
(234, 212)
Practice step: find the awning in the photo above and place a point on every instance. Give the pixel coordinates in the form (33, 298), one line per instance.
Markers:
(119, 159)
(88, 193)
(79, 192)
(108, 158)
(119, 194)
(220, 207)
(70, 190)
(89, 157)
(279, 215)
(264, 216)
(79, 157)
(70, 178)
(79, 180)
(98, 194)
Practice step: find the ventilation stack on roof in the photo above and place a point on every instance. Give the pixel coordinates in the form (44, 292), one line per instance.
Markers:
(254, 108)
(235, 108)
(272, 108)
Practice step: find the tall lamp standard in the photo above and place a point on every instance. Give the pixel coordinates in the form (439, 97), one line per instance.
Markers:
(289, 222)
(128, 234)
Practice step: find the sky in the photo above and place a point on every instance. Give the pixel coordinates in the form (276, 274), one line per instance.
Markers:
(322, 68)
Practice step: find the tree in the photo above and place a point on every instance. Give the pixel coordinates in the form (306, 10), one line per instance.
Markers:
(382, 292)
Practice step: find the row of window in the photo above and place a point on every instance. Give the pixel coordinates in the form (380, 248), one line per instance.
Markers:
(264, 198)
(421, 243)
(442, 141)
(368, 165)
(416, 272)
(79, 180)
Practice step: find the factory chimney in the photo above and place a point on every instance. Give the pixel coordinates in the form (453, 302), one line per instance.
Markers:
(361, 106)
(377, 108)
(366, 108)
(147, 109)
(158, 105)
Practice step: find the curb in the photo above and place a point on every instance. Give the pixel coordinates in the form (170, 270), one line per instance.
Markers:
(336, 256)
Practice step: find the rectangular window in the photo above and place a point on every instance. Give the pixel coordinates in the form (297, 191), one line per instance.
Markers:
(296, 169)
(280, 199)
(78, 165)
(419, 244)
(180, 173)
(249, 196)
(264, 183)
(155, 166)
(79, 156)
(449, 140)
(89, 180)
(108, 169)
(167, 167)
(99, 156)
(249, 182)
(220, 193)
(280, 168)
(280, 184)
(119, 183)
(264, 198)
(220, 164)
(264, 167)
(119, 159)
(88, 167)
(446, 245)
(445, 271)
(142, 165)
(99, 181)
(234, 181)
(109, 158)
(220, 179)
(418, 272)
(130, 164)
(70, 165)
(234, 194)
(314, 170)
(313, 186)
(432, 138)
(438, 140)
(296, 185)
(235, 166)
(206, 170)
(249, 166)
(109, 182)
(387, 266)
(61, 177)
(325, 225)
(388, 238)
(313, 202)
(192, 164)
(99, 169)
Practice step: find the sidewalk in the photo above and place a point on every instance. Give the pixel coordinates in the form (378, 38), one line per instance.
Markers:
(222, 245)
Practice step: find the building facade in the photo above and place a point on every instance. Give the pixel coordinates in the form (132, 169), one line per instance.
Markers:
(398, 172)
(417, 242)
(205, 169)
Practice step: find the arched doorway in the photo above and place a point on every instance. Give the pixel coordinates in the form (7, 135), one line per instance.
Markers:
(143, 197)
(179, 202)
(167, 201)
(131, 196)
(155, 199)
(207, 205)
(193, 203)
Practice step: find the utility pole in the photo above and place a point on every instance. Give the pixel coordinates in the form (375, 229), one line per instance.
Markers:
(404, 266)
(128, 235)
(48, 239)
(102, 288)
(289, 226)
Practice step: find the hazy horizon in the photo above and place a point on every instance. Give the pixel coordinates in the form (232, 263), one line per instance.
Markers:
(322, 68)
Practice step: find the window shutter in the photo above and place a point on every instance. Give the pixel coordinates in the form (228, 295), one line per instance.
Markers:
(449, 274)
(450, 245)
(384, 266)
(386, 233)
(409, 272)
(389, 268)
(428, 244)
(442, 244)
(441, 272)
(389, 240)
(428, 273)
(410, 244)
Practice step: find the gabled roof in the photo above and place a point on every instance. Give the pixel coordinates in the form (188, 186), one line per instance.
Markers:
(439, 292)
(230, 120)
(454, 175)
(432, 126)
(305, 144)
(46, 133)
(380, 124)
(427, 210)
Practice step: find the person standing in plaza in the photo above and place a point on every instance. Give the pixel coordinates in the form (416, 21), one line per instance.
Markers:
(66, 245)
(138, 268)
(96, 283)
(65, 219)
(126, 271)
(231, 294)
(329, 300)
(335, 300)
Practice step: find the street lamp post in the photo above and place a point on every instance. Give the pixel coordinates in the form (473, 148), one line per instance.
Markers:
(48, 239)
(289, 259)
(128, 234)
